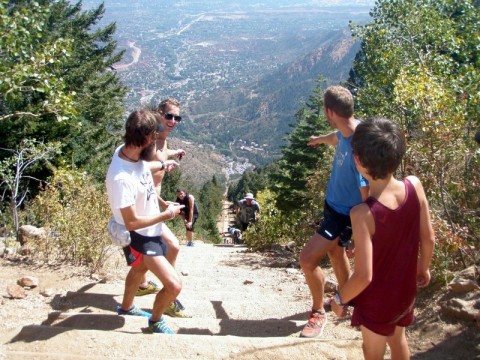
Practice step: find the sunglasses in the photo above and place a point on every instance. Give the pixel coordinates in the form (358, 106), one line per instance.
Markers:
(170, 116)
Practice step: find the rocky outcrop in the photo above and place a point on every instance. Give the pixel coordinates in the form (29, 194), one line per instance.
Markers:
(463, 300)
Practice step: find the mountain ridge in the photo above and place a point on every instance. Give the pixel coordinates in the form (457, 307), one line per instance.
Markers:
(263, 111)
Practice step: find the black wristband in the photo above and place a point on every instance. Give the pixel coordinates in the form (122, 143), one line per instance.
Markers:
(163, 164)
(338, 300)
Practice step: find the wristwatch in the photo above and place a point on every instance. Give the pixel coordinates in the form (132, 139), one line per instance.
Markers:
(338, 300)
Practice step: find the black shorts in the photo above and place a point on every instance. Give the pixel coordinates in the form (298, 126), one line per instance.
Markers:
(335, 225)
(143, 245)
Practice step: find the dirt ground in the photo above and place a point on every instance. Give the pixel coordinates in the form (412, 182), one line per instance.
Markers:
(433, 337)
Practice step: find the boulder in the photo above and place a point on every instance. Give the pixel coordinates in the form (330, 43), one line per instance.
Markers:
(16, 292)
(28, 281)
(465, 281)
(461, 309)
(26, 232)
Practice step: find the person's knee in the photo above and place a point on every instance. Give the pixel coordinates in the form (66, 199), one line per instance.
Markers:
(307, 261)
(337, 253)
(138, 270)
(173, 287)
(313, 252)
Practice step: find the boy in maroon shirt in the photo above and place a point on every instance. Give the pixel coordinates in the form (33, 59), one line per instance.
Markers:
(394, 242)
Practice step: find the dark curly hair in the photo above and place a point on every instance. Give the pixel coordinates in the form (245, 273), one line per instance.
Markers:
(379, 145)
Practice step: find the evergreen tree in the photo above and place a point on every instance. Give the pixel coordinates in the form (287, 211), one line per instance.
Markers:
(66, 89)
(209, 202)
(299, 161)
(252, 181)
(100, 95)
(170, 184)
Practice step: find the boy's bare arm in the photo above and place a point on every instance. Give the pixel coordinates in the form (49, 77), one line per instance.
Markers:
(427, 235)
(329, 139)
(362, 227)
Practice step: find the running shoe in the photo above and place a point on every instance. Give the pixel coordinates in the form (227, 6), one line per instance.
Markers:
(152, 288)
(179, 304)
(315, 325)
(159, 327)
(134, 311)
(175, 310)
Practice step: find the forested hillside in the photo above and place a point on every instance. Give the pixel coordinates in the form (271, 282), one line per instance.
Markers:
(263, 111)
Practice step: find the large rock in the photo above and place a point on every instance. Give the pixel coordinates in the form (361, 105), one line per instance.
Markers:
(462, 309)
(16, 292)
(464, 298)
(28, 281)
(26, 232)
(465, 281)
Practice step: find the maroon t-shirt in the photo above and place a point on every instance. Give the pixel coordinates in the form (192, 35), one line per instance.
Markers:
(388, 300)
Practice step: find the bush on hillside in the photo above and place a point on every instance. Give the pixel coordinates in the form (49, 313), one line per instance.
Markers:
(275, 226)
(76, 213)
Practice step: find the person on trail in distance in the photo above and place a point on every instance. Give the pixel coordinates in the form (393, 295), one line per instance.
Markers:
(189, 213)
(236, 235)
(246, 211)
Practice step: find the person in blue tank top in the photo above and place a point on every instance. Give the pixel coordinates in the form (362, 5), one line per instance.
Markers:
(346, 188)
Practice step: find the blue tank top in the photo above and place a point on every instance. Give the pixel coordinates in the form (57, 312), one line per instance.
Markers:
(343, 190)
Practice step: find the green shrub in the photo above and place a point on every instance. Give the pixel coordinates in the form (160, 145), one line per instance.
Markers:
(75, 212)
(276, 227)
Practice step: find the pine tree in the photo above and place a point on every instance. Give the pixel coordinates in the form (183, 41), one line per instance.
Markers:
(100, 95)
(60, 83)
(299, 161)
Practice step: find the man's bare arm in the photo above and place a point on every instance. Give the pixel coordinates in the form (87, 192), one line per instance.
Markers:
(328, 139)
(179, 153)
(134, 222)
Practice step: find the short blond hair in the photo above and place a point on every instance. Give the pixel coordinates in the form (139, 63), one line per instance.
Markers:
(169, 101)
(340, 100)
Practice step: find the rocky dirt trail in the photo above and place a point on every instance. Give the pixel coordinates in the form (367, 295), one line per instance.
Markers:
(240, 308)
(242, 305)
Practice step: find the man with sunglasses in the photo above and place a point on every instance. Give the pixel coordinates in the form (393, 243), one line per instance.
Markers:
(168, 115)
